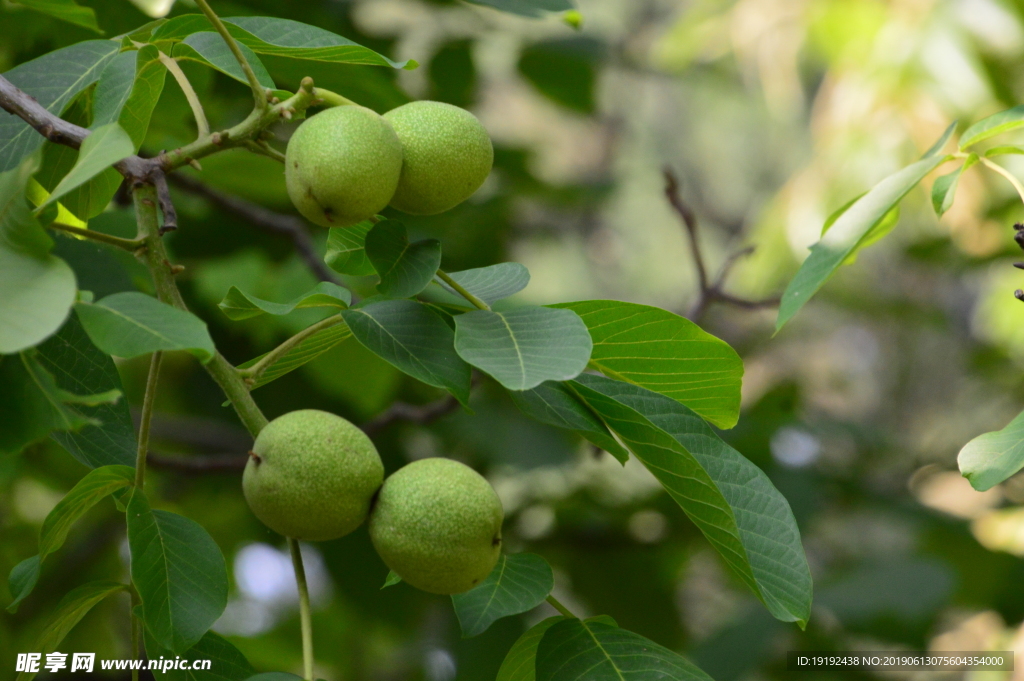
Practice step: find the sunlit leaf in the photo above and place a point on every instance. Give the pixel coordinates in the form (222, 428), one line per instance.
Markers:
(989, 459)
(65, 10)
(527, 8)
(944, 189)
(996, 124)
(518, 583)
(666, 353)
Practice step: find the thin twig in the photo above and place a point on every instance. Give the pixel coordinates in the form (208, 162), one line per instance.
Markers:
(267, 220)
(557, 605)
(476, 302)
(709, 292)
(147, 415)
(129, 245)
(305, 616)
(259, 94)
(263, 149)
(1005, 173)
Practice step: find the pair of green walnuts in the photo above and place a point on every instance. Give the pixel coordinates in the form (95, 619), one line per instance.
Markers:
(345, 164)
(314, 476)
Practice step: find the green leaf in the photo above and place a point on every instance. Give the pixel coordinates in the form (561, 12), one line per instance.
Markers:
(346, 251)
(518, 583)
(80, 367)
(527, 8)
(1003, 151)
(37, 289)
(521, 661)
(729, 498)
(207, 47)
(53, 79)
(304, 352)
(847, 234)
(179, 572)
(666, 353)
(585, 649)
(22, 580)
(989, 459)
(65, 10)
(275, 676)
(944, 189)
(32, 405)
(237, 305)
(391, 580)
(405, 269)
(489, 284)
(523, 347)
(104, 147)
(89, 491)
(996, 124)
(227, 663)
(282, 38)
(414, 339)
(70, 611)
(553, 403)
(130, 324)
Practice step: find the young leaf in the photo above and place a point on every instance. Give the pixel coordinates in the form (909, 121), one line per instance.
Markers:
(729, 498)
(489, 284)
(80, 367)
(527, 8)
(1003, 151)
(518, 583)
(89, 491)
(130, 324)
(207, 47)
(844, 237)
(521, 661)
(65, 10)
(179, 572)
(996, 124)
(414, 339)
(666, 353)
(944, 189)
(346, 252)
(53, 79)
(37, 289)
(940, 143)
(237, 305)
(523, 347)
(70, 611)
(405, 269)
(104, 147)
(282, 38)
(552, 403)
(391, 580)
(989, 459)
(227, 663)
(585, 649)
(32, 405)
(304, 352)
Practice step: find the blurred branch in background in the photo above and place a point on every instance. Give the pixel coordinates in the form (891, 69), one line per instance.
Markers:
(711, 291)
(267, 220)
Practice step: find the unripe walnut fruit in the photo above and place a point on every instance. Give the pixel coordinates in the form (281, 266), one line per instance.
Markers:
(311, 475)
(437, 524)
(342, 166)
(448, 155)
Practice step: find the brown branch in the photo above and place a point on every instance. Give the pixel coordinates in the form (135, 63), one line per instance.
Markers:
(419, 414)
(709, 292)
(267, 220)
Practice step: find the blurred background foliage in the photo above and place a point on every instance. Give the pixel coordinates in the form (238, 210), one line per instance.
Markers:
(773, 113)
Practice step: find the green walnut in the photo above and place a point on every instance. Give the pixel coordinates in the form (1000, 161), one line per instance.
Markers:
(448, 155)
(311, 475)
(437, 524)
(342, 166)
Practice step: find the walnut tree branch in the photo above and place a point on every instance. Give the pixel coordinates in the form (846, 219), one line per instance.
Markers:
(267, 220)
(709, 291)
